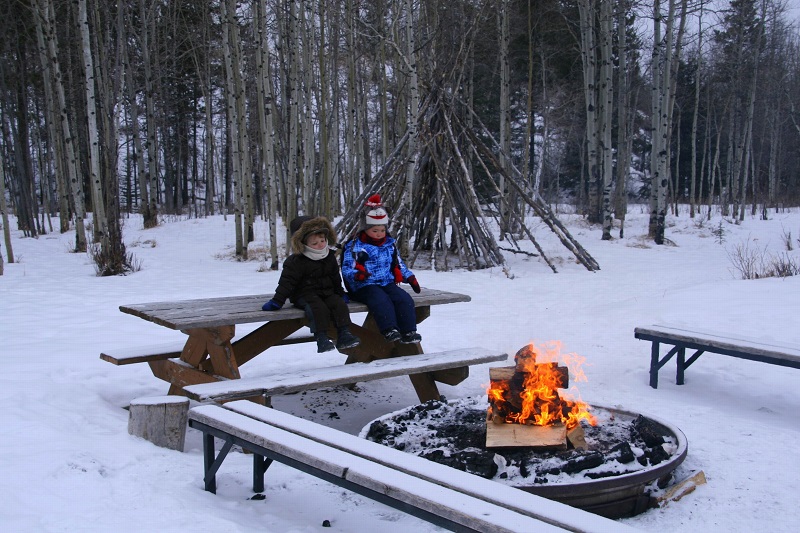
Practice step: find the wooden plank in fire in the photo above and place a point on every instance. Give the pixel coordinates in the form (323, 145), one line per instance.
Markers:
(553, 437)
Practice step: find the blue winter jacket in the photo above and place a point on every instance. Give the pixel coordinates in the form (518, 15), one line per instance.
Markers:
(378, 264)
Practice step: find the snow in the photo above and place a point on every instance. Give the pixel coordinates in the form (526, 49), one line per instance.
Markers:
(70, 465)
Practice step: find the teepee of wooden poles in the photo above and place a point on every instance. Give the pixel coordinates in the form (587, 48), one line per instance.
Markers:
(448, 225)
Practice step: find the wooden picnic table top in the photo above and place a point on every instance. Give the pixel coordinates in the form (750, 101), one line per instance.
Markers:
(231, 310)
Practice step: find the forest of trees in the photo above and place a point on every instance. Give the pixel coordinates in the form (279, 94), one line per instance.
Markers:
(273, 108)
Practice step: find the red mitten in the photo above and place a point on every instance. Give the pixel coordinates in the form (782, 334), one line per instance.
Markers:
(398, 275)
(412, 280)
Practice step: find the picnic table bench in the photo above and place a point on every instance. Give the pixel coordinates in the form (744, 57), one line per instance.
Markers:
(210, 354)
(439, 494)
(683, 338)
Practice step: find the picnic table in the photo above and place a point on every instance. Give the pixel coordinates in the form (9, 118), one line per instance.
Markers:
(210, 354)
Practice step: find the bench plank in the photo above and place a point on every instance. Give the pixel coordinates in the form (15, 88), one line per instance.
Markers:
(143, 354)
(340, 375)
(683, 338)
(401, 490)
(487, 490)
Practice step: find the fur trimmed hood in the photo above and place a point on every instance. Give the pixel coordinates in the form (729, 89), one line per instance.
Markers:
(302, 227)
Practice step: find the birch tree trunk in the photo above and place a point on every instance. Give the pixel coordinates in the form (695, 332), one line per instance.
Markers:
(587, 11)
(659, 168)
(75, 181)
(148, 35)
(100, 220)
(265, 107)
(413, 121)
(52, 118)
(606, 101)
(696, 113)
(228, 44)
(505, 113)
(748, 126)
(307, 133)
(325, 186)
(294, 120)
(4, 214)
(623, 120)
(138, 147)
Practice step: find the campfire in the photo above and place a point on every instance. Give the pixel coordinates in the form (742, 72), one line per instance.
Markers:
(528, 405)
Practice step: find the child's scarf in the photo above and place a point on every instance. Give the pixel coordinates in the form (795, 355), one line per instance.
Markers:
(315, 255)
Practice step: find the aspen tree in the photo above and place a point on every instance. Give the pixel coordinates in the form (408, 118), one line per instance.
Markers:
(505, 112)
(266, 127)
(147, 37)
(52, 119)
(73, 175)
(606, 103)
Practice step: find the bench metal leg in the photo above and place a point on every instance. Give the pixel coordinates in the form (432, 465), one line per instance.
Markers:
(212, 464)
(654, 366)
(260, 465)
(679, 375)
(656, 363)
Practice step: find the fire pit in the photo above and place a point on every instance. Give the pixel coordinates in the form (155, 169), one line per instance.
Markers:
(609, 462)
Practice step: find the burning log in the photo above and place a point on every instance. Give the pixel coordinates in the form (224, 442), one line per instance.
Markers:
(526, 396)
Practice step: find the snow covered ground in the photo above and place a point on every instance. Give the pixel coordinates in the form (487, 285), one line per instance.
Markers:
(69, 464)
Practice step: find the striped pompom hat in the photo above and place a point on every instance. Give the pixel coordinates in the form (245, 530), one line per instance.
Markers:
(376, 214)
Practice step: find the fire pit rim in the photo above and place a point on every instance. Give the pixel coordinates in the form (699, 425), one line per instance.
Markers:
(611, 484)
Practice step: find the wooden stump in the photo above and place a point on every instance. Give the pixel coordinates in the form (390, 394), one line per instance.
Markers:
(160, 420)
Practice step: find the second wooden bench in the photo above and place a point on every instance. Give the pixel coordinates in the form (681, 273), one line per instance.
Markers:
(316, 378)
(442, 495)
(683, 338)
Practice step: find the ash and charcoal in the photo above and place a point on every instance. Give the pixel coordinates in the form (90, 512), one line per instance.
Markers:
(454, 434)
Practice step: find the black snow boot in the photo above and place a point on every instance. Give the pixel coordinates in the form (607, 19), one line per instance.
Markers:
(324, 344)
(346, 340)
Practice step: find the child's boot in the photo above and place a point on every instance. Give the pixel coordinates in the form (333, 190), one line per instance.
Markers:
(410, 337)
(391, 335)
(324, 344)
(345, 339)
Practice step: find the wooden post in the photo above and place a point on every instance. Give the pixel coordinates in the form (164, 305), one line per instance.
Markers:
(160, 419)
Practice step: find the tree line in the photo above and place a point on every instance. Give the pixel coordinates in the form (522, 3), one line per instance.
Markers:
(274, 108)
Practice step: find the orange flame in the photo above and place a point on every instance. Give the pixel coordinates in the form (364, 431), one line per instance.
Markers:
(541, 403)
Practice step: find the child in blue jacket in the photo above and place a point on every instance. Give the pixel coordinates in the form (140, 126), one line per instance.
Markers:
(372, 269)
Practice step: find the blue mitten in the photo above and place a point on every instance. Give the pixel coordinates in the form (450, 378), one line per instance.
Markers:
(271, 305)
(346, 298)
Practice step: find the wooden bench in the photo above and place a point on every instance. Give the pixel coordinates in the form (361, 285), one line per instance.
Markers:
(681, 338)
(315, 378)
(433, 492)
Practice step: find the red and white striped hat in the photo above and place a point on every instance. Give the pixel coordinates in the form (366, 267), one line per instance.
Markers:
(376, 214)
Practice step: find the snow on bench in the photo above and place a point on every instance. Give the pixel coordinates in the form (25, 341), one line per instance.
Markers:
(681, 338)
(141, 354)
(433, 492)
(315, 378)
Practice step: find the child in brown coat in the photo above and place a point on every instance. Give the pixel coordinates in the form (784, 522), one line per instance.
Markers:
(310, 279)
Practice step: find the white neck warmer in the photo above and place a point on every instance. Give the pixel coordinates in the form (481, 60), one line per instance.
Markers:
(315, 255)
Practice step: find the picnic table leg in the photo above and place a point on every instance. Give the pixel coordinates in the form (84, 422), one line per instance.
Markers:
(424, 384)
(654, 351)
(218, 347)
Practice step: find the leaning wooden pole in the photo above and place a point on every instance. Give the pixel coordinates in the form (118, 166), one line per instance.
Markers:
(532, 198)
